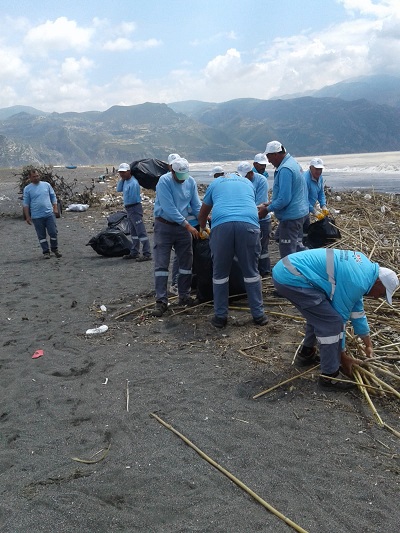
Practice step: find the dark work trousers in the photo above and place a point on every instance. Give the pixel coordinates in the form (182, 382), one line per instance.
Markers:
(291, 236)
(324, 324)
(242, 240)
(43, 225)
(264, 262)
(138, 230)
(167, 236)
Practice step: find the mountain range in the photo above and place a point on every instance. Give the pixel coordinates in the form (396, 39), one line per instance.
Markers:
(356, 116)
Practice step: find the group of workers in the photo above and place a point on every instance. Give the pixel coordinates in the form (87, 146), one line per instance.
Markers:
(326, 285)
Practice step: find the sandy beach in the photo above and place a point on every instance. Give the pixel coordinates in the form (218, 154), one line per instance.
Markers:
(318, 457)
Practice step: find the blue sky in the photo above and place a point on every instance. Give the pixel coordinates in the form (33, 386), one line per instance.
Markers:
(89, 55)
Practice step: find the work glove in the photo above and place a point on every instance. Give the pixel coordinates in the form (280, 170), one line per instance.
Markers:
(204, 233)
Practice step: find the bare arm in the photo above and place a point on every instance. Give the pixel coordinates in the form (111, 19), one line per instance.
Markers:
(27, 214)
(205, 210)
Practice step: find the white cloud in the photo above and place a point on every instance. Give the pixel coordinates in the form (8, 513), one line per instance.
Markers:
(367, 7)
(222, 66)
(122, 44)
(11, 64)
(368, 42)
(60, 34)
(229, 35)
(75, 67)
(126, 27)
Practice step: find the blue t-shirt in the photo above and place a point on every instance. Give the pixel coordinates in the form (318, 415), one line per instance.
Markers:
(130, 189)
(232, 199)
(40, 198)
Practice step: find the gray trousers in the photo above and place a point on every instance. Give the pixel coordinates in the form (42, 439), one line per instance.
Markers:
(291, 236)
(138, 230)
(242, 240)
(167, 236)
(324, 325)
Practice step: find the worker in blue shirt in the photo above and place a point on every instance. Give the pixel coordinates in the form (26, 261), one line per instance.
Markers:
(327, 287)
(40, 209)
(130, 188)
(261, 189)
(177, 198)
(289, 198)
(235, 231)
(315, 187)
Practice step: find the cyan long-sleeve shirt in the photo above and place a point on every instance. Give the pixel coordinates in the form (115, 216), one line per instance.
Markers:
(40, 198)
(175, 201)
(315, 191)
(353, 277)
(130, 189)
(289, 192)
(260, 184)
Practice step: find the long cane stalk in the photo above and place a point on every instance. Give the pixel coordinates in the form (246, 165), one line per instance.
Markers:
(284, 382)
(363, 389)
(230, 476)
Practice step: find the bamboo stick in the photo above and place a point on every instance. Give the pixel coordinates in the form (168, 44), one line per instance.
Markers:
(381, 382)
(230, 476)
(362, 388)
(284, 382)
(93, 461)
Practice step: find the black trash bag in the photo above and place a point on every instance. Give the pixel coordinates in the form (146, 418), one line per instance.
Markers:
(119, 220)
(148, 172)
(202, 265)
(111, 242)
(322, 233)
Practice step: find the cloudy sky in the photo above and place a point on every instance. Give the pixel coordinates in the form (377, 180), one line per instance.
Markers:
(69, 55)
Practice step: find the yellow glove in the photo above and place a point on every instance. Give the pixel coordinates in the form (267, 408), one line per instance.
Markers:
(325, 212)
(319, 216)
(204, 233)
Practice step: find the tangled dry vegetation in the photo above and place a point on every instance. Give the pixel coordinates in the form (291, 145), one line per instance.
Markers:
(66, 192)
(368, 222)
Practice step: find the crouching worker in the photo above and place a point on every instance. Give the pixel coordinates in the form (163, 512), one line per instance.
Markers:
(327, 287)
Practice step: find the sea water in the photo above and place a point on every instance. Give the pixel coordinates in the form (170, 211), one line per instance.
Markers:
(378, 171)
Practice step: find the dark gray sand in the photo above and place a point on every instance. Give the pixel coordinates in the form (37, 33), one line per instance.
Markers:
(319, 458)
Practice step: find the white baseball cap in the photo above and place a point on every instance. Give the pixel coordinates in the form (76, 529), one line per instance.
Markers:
(216, 170)
(260, 159)
(243, 168)
(273, 147)
(172, 157)
(123, 167)
(317, 162)
(181, 168)
(390, 281)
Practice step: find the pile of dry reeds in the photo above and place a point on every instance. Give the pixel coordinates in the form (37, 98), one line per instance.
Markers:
(369, 222)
